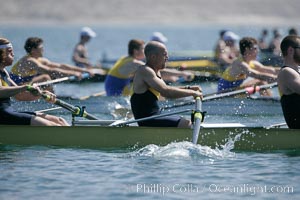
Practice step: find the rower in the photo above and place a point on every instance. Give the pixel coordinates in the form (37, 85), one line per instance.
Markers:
(118, 79)
(8, 89)
(247, 71)
(34, 68)
(289, 81)
(148, 86)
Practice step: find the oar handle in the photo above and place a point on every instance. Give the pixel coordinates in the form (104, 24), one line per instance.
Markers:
(84, 75)
(198, 119)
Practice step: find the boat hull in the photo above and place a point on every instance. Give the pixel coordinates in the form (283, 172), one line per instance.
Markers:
(245, 139)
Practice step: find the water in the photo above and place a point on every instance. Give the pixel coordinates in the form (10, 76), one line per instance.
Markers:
(176, 171)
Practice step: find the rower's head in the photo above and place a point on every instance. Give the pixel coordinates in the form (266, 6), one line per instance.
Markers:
(87, 33)
(6, 52)
(136, 49)
(248, 46)
(156, 54)
(290, 47)
(34, 46)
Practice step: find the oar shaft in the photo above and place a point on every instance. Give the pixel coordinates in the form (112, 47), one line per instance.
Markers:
(152, 117)
(74, 109)
(58, 80)
(248, 90)
(227, 94)
(53, 81)
(49, 109)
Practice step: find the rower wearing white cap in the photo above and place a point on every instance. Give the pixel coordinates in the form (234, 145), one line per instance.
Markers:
(80, 53)
(226, 54)
(159, 37)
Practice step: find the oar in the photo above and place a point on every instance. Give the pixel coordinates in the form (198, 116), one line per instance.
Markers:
(92, 95)
(58, 80)
(49, 109)
(247, 90)
(75, 110)
(276, 125)
(197, 120)
(122, 123)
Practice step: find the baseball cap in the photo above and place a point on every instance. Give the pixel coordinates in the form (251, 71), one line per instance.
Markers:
(228, 35)
(87, 31)
(159, 37)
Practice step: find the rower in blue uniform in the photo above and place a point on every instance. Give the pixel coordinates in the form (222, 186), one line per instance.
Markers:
(118, 79)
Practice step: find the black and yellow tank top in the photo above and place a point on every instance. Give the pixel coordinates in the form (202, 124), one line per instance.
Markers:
(291, 108)
(145, 104)
(4, 102)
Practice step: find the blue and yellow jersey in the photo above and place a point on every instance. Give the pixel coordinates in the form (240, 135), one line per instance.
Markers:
(228, 77)
(114, 71)
(21, 74)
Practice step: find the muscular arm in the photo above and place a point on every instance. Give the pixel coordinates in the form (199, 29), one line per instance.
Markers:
(148, 78)
(265, 69)
(53, 69)
(10, 91)
(243, 68)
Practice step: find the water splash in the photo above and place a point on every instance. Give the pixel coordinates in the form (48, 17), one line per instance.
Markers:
(183, 150)
(189, 150)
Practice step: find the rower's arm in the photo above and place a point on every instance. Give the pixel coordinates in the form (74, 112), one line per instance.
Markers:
(10, 91)
(266, 69)
(54, 69)
(165, 90)
(245, 68)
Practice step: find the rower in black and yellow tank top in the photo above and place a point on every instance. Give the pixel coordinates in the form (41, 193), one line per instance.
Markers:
(146, 105)
(4, 102)
(8, 115)
(291, 108)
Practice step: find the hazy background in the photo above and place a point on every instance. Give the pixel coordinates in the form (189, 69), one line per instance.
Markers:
(152, 12)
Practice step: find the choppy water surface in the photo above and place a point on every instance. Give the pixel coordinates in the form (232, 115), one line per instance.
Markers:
(176, 171)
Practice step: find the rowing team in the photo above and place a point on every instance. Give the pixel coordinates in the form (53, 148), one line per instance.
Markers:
(148, 84)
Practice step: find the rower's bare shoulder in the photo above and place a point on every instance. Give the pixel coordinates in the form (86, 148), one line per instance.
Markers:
(143, 69)
(286, 74)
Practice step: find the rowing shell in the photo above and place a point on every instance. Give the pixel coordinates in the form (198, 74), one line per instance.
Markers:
(94, 136)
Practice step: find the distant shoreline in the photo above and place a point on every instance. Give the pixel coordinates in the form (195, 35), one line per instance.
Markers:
(155, 12)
